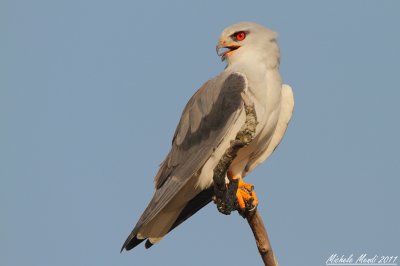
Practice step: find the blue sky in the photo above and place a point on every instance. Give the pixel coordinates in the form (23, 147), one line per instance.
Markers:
(90, 95)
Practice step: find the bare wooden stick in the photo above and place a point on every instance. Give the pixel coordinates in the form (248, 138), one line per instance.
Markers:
(261, 237)
(225, 195)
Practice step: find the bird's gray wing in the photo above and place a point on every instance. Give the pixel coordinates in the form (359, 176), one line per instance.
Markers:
(205, 121)
(208, 116)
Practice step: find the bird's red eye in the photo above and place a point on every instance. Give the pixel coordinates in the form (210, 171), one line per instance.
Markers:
(240, 36)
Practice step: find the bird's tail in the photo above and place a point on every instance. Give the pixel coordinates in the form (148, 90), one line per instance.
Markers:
(163, 223)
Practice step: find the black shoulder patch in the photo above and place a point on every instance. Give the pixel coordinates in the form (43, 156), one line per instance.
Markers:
(228, 101)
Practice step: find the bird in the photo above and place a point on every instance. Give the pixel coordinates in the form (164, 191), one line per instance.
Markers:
(210, 121)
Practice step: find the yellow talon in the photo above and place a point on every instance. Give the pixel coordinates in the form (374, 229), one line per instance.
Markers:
(245, 194)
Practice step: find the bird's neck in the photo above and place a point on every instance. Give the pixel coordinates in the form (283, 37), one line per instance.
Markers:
(253, 69)
(262, 58)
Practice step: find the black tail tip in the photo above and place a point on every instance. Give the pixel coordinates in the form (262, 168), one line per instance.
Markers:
(148, 244)
(130, 243)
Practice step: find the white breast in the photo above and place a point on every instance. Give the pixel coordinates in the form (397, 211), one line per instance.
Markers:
(266, 89)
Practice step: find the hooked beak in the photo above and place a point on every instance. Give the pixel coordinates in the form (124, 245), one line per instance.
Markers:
(224, 50)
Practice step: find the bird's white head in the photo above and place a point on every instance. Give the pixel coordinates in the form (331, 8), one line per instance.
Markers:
(249, 42)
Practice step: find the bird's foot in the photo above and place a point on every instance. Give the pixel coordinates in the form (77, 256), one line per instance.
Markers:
(238, 195)
(246, 198)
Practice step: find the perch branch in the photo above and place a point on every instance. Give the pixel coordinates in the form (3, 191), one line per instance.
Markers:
(261, 237)
(225, 195)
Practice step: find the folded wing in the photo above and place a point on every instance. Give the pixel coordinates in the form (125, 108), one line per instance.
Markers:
(207, 118)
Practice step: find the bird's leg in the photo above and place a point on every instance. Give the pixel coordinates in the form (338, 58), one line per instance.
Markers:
(246, 198)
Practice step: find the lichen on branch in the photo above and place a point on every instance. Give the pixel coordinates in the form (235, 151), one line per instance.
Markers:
(225, 195)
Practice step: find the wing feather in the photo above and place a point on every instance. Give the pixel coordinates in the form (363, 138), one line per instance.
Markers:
(221, 104)
(207, 118)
